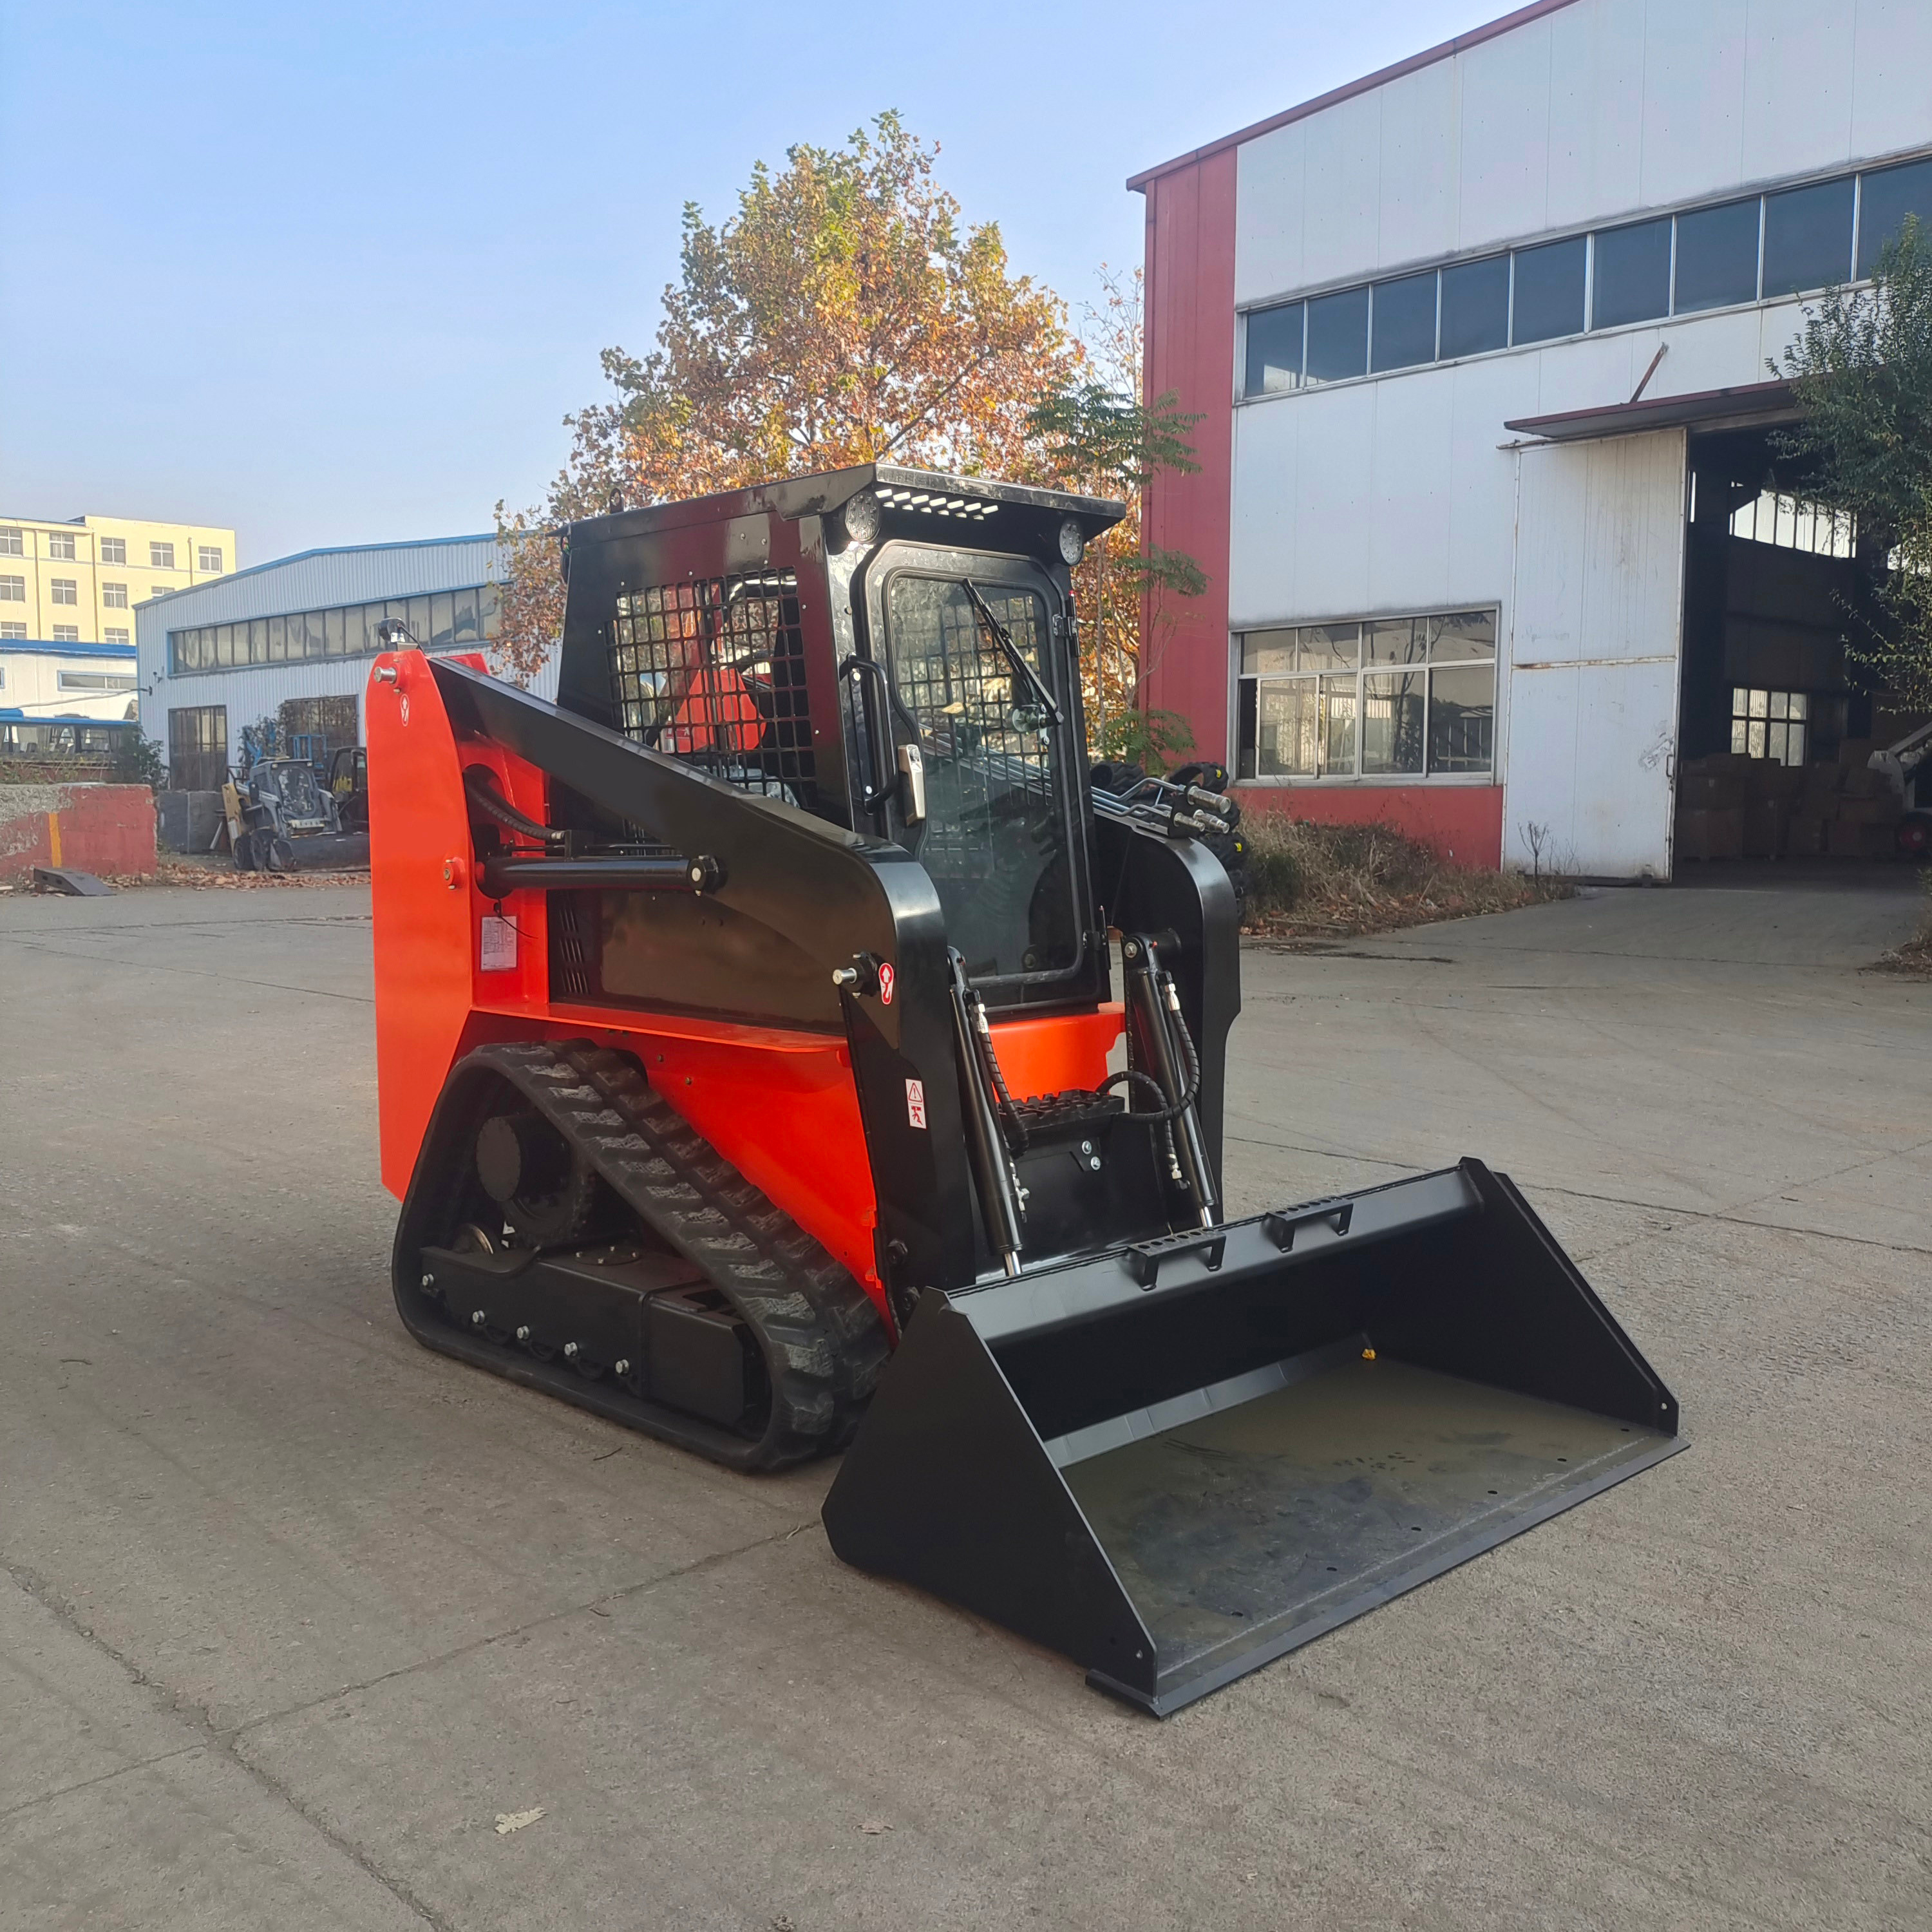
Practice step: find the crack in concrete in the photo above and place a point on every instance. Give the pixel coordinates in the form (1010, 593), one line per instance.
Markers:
(187, 973)
(212, 1737)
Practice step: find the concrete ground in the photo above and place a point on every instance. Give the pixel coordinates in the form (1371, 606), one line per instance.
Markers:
(293, 1609)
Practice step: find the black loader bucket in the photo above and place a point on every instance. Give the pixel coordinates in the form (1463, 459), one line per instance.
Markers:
(1181, 1459)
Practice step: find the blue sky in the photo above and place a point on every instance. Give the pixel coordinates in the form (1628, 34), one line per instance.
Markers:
(334, 274)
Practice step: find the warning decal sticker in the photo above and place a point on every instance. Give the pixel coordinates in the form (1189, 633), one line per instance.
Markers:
(498, 945)
(885, 983)
(916, 1103)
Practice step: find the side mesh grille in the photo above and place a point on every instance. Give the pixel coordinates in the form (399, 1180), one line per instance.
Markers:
(713, 672)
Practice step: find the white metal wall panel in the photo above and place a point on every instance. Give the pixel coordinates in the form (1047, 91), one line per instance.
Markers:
(1421, 141)
(1340, 207)
(1505, 137)
(1606, 108)
(1891, 42)
(1596, 142)
(1594, 639)
(1692, 109)
(1798, 64)
(1269, 192)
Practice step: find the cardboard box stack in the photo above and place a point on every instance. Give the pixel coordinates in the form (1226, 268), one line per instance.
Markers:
(1713, 795)
(1869, 810)
(1729, 806)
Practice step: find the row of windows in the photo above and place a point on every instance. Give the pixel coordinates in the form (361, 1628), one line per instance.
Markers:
(209, 558)
(1409, 696)
(95, 681)
(66, 590)
(12, 632)
(1756, 249)
(447, 619)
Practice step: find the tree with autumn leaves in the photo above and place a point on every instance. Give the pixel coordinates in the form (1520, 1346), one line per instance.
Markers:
(846, 314)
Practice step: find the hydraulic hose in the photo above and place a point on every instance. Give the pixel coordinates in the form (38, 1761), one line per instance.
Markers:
(480, 787)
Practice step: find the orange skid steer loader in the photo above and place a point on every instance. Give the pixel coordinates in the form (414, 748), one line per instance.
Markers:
(757, 1072)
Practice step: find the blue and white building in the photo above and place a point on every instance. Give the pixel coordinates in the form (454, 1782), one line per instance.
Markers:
(292, 641)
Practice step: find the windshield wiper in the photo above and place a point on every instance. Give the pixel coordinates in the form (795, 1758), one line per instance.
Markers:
(1014, 655)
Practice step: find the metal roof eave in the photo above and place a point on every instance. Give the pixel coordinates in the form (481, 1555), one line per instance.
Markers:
(1748, 406)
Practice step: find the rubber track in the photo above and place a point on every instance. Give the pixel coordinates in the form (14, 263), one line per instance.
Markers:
(823, 1343)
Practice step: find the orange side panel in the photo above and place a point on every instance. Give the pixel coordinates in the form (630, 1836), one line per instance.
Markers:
(1049, 1055)
(418, 826)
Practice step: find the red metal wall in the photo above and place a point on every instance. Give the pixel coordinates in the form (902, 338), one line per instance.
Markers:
(1461, 823)
(92, 828)
(1190, 350)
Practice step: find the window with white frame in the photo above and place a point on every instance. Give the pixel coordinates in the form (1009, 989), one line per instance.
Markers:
(1770, 724)
(208, 558)
(94, 681)
(66, 634)
(12, 542)
(1388, 699)
(113, 636)
(161, 556)
(60, 546)
(114, 550)
(12, 631)
(12, 589)
(114, 596)
(63, 590)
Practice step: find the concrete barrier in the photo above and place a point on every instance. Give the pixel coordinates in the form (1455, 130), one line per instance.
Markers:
(95, 828)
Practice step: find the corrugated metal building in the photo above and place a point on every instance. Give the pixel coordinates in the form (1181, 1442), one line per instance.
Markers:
(1495, 532)
(292, 641)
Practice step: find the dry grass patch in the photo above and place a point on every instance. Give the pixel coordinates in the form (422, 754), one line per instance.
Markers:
(1913, 958)
(1313, 882)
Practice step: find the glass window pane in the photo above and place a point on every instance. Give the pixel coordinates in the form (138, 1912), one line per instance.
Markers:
(418, 619)
(1549, 291)
(1462, 718)
(1885, 200)
(1338, 726)
(1328, 647)
(224, 645)
(1475, 306)
(1754, 739)
(491, 598)
(1401, 642)
(1632, 283)
(465, 631)
(1799, 702)
(1760, 704)
(1807, 238)
(1267, 651)
(1274, 349)
(258, 640)
(1717, 256)
(1739, 731)
(1461, 636)
(1286, 740)
(1777, 704)
(1338, 336)
(1404, 325)
(355, 630)
(331, 632)
(442, 620)
(278, 640)
(1392, 713)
